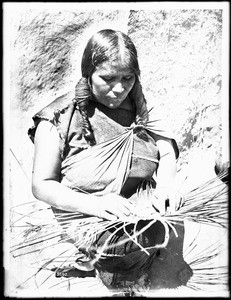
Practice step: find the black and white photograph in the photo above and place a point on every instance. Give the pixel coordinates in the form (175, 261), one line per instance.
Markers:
(116, 149)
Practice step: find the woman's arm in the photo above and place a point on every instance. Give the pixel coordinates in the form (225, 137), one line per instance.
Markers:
(46, 184)
(166, 171)
(165, 177)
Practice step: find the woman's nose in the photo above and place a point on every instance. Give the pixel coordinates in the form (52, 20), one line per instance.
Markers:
(118, 88)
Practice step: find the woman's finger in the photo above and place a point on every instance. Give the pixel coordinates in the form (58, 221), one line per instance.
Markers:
(173, 202)
(159, 202)
(182, 200)
(176, 200)
(162, 206)
(108, 216)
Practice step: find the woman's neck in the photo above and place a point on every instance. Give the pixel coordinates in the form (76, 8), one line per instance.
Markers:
(127, 104)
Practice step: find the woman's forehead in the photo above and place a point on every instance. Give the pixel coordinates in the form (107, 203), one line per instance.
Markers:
(114, 66)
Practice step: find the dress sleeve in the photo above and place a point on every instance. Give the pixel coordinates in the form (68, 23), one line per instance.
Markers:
(59, 113)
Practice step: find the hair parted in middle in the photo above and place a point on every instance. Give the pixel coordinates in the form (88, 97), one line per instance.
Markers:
(103, 46)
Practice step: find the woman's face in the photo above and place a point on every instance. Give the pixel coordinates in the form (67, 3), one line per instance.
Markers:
(111, 82)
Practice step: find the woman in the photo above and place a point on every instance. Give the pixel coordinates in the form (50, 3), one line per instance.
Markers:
(107, 103)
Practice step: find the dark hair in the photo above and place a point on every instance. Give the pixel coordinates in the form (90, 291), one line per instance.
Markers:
(106, 45)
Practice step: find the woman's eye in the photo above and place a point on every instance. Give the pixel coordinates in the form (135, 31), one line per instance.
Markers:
(105, 78)
(128, 77)
(111, 78)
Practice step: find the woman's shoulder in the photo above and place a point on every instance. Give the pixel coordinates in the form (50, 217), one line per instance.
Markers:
(60, 108)
(60, 103)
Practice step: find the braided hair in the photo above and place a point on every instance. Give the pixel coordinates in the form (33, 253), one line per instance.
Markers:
(82, 98)
(106, 45)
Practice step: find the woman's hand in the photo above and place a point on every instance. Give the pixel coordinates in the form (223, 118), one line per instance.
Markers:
(167, 199)
(112, 207)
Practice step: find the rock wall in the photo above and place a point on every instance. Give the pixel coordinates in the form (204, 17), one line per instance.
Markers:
(180, 54)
